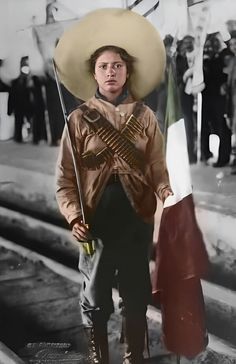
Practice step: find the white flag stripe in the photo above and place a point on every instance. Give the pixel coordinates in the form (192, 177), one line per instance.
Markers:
(177, 163)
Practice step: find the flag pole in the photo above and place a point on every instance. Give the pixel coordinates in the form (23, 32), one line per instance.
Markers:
(73, 149)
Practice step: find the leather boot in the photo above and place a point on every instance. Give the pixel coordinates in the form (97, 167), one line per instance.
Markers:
(128, 359)
(100, 326)
(135, 329)
(98, 351)
(92, 346)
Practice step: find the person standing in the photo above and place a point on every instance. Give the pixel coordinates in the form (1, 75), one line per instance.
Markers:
(20, 101)
(26, 102)
(184, 72)
(39, 130)
(55, 115)
(214, 104)
(231, 99)
(119, 151)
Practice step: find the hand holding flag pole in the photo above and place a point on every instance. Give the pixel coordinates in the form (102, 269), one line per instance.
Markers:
(89, 246)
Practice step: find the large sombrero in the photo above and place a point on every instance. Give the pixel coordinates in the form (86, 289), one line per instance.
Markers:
(112, 26)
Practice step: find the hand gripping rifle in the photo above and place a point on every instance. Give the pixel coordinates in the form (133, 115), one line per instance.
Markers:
(89, 246)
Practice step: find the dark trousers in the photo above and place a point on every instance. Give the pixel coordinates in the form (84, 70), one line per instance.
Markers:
(19, 121)
(190, 122)
(121, 259)
(213, 122)
(39, 127)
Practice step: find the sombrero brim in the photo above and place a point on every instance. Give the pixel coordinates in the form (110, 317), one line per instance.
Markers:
(112, 26)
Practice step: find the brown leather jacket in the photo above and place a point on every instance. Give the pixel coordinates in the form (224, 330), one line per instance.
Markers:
(140, 187)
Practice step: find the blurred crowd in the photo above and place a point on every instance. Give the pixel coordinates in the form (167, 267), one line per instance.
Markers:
(218, 97)
(216, 111)
(35, 104)
(38, 118)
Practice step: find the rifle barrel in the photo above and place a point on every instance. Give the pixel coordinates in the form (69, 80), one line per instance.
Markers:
(73, 149)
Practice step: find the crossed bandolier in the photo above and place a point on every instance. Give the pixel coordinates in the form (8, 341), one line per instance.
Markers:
(117, 142)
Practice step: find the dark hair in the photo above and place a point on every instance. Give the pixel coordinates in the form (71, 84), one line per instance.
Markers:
(125, 56)
(168, 40)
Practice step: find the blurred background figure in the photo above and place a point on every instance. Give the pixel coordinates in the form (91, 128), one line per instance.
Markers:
(231, 97)
(214, 103)
(20, 101)
(6, 121)
(162, 90)
(39, 130)
(53, 105)
(156, 100)
(55, 114)
(184, 71)
(26, 103)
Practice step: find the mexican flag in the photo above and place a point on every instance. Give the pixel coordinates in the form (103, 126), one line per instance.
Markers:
(181, 257)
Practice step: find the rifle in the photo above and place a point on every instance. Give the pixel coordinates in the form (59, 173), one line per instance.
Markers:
(89, 246)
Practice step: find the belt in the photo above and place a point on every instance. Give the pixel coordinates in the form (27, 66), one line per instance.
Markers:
(114, 178)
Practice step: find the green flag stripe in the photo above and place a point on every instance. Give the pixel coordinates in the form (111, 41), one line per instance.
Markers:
(173, 108)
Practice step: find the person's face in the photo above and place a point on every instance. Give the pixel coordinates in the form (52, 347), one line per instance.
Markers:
(110, 73)
(216, 45)
(188, 44)
(208, 49)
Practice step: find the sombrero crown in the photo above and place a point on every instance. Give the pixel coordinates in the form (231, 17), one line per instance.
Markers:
(119, 27)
